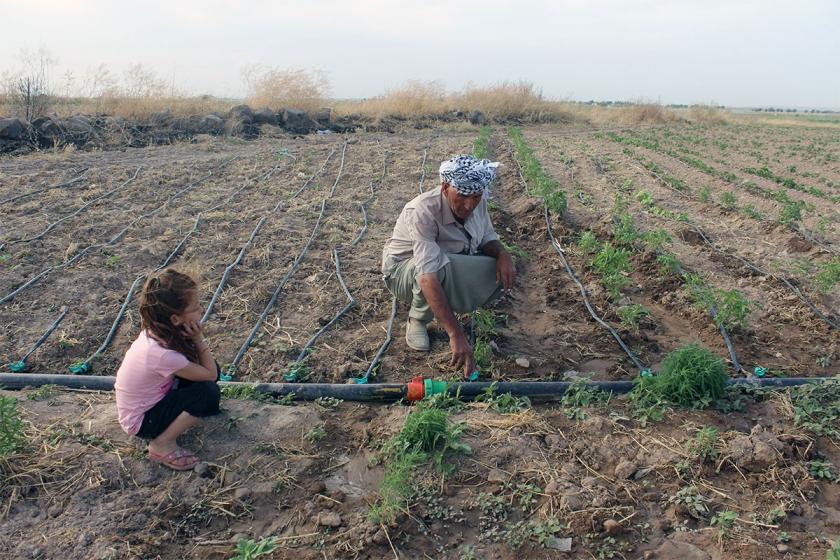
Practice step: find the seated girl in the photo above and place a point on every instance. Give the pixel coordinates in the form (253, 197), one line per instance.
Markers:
(167, 380)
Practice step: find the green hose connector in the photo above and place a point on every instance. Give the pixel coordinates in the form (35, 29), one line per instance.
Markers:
(18, 366)
(760, 371)
(645, 373)
(79, 368)
(432, 387)
(475, 375)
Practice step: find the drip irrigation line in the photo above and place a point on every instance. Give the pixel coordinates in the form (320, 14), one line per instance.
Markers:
(755, 268)
(20, 365)
(559, 250)
(583, 294)
(270, 305)
(51, 187)
(423, 170)
(84, 367)
(340, 170)
(350, 303)
(81, 209)
(113, 240)
(363, 208)
(390, 329)
(229, 269)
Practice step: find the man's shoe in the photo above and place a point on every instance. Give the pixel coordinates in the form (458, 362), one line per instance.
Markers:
(416, 335)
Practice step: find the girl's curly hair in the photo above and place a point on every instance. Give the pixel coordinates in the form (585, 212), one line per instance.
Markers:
(165, 294)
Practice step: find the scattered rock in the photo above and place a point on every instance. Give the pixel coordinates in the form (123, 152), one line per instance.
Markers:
(265, 116)
(496, 475)
(624, 469)
(573, 501)
(523, 362)
(211, 124)
(594, 425)
(202, 469)
(13, 129)
(380, 537)
(55, 510)
(298, 122)
(757, 452)
(477, 117)
(322, 117)
(555, 441)
(552, 488)
(562, 544)
(612, 527)
(681, 550)
(329, 519)
(782, 548)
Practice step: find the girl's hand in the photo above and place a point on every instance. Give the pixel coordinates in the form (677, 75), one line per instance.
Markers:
(193, 330)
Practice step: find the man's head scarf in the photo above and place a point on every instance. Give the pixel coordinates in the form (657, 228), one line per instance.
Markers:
(468, 175)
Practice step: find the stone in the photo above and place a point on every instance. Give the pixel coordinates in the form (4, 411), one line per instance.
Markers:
(211, 124)
(756, 452)
(477, 117)
(298, 122)
(329, 519)
(13, 129)
(241, 113)
(265, 116)
(782, 548)
(573, 501)
(78, 126)
(322, 117)
(624, 469)
(563, 544)
(202, 469)
(612, 527)
(523, 362)
(496, 475)
(681, 550)
(552, 488)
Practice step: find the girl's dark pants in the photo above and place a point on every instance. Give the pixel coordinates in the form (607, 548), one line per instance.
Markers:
(197, 398)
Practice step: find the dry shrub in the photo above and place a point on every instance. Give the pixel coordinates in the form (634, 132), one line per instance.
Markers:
(646, 113)
(286, 89)
(707, 114)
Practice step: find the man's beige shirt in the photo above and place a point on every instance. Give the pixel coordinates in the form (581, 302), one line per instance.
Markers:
(427, 230)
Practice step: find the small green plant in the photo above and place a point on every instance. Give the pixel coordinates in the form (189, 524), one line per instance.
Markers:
(728, 200)
(505, 403)
(834, 553)
(631, 315)
(579, 397)
(828, 275)
(111, 261)
(691, 498)
(731, 308)
(751, 211)
(724, 519)
(481, 146)
(669, 263)
(612, 264)
(328, 403)
(824, 361)
(704, 445)
(783, 537)
(775, 516)
(705, 194)
(588, 242)
(816, 408)
(43, 393)
(691, 377)
(656, 239)
(821, 470)
(11, 426)
(247, 549)
(316, 434)
(791, 212)
(516, 251)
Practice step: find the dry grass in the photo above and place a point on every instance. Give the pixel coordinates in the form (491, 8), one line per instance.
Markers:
(707, 114)
(292, 88)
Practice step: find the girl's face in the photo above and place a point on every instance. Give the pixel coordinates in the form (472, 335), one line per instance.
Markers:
(191, 314)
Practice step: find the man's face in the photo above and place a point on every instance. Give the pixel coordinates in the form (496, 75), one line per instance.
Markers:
(462, 206)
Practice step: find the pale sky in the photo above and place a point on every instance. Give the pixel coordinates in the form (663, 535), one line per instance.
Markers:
(733, 52)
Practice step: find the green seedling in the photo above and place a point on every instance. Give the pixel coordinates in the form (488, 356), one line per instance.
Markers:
(691, 498)
(705, 194)
(43, 393)
(11, 426)
(631, 315)
(828, 275)
(588, 242)
(728, 200)
(481, 146)
(821, 470)
(705, 443)
(315, 435)
(247, 549)
(328, 403)
(579, 397)
(505, 403)
(611, 264)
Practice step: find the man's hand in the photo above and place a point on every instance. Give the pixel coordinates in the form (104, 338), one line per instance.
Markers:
(462, 353)
(505, 270)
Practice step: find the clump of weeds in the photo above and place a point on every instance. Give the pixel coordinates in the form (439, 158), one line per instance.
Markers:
(704, 446)
(631, 315)
(505, 403)
(579, 397)
(11, 426)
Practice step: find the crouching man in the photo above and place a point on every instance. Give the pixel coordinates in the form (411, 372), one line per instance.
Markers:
(444, 256)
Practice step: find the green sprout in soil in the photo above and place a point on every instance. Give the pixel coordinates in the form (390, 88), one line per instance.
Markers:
(669, 263)
(427, 435)
(539, 183)
(822, 470)
(828, 276)
(516, 251)
(691, 377)
(11, 426)
(731, 307)
(247, 549)
(328, 403)
(588, 242)
(505, 403)
(704, 446)
(728, 200)
(481, 146)
(578, 397)
(611, 264)
(631, 315)
(691, 498)
(315, 435)
(705, 194)
(43, 393)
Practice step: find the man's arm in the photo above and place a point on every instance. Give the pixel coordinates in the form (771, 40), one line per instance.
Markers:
(462, 352)
(504, 264)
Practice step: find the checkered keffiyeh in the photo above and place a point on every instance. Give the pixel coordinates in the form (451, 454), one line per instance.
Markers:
(467, 174)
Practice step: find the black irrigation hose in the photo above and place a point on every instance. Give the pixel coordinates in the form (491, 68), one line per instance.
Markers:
(755, 268)
(270, 305)
(53, 225)
(350, 303)
(364, 379)
(36, 191)
(423, 170)
(20, 365)
(254, 233)
(389, 392)
(114, 239)
(363, 208)
(340, 170)
(583, 294)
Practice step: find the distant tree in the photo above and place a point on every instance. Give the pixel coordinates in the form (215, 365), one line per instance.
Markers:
(29, 88)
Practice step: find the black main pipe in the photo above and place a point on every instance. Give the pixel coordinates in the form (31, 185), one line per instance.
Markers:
(383, 392)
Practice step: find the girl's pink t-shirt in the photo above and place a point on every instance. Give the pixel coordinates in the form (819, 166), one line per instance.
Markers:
(144, 378)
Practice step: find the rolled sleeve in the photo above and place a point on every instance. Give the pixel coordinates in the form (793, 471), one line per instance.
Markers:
(428, 257)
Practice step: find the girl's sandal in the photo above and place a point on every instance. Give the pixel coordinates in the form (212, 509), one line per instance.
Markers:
(179, 460)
